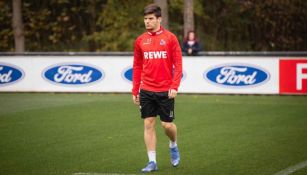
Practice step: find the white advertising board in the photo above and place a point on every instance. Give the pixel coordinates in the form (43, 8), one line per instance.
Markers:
(230, 75)
(234, 75)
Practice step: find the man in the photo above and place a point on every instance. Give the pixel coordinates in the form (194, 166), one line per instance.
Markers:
(157, 71)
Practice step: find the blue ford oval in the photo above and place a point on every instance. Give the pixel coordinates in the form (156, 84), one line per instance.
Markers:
(73, 74)
(127, 74)
(10, 74)
(237, 75)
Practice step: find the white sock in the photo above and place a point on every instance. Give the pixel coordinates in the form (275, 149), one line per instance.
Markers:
(172, 144)
(152, 156)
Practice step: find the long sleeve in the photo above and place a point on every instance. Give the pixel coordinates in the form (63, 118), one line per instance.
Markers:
(157, 64)
(137, 68)
(177, 62)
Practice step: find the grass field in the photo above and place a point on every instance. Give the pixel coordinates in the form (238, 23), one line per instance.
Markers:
(67, 134)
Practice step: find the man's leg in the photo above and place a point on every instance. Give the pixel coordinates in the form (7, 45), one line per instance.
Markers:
(150, 142)
(150, 133)
(170, 130)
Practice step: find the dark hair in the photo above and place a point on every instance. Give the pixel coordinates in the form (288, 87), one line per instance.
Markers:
(152, 9)
(190, 31)
(187, 37)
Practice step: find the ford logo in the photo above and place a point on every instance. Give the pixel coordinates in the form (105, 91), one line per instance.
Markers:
(127, 74)
(73, 74)
(237, 75)
(10, 74)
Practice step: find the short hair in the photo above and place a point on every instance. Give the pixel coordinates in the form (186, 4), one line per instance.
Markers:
(152, 9)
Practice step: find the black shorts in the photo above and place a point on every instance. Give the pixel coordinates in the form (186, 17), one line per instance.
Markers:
(157, 103)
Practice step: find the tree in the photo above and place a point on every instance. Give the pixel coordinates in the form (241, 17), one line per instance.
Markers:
(6, 32)
(188, 16)
(60, 25)
(277, 25)
(18, 27)
(112, 25)
(118, 25)
(164, 7)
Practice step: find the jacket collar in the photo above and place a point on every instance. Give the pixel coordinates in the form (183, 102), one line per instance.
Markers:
(157, 32)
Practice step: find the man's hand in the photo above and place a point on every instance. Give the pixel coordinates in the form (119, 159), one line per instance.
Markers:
(172, 93)
(136, 99)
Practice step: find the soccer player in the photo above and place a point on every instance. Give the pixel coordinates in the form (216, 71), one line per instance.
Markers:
(157, 71)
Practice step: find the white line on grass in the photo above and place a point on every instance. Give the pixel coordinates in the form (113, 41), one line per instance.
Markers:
(101, 174)
(292, 169)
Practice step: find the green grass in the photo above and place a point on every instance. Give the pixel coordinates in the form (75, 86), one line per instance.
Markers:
(63, 134)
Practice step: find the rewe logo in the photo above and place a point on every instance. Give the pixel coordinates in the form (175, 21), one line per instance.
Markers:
(73, 74)
(236, 75)
(9, 74)
(155, 55)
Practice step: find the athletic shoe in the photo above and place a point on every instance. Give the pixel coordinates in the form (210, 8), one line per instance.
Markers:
(175, 157)
(151, 166)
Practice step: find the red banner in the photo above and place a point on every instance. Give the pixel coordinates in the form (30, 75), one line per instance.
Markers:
(293, 76)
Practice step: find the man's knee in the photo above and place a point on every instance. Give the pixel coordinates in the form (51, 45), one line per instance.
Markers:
(167, 125)
(149, 123)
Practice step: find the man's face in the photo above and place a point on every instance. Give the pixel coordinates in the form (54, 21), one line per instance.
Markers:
(152, 23)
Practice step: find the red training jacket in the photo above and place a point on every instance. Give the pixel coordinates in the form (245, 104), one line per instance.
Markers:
(157, 62)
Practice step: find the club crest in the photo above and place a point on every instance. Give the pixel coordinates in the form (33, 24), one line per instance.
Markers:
(162, 42)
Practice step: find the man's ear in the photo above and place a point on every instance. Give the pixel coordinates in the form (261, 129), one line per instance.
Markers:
(160, 19)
